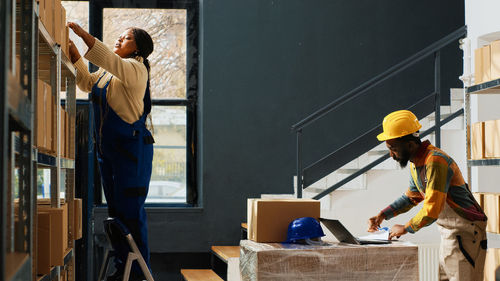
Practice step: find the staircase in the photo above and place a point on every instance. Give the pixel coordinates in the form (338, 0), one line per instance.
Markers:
(223, 260)
(386, 181)
(360, 183)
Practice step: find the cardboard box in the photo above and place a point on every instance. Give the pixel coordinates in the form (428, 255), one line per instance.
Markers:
(43, 234)
(477, 140)
(61, 131)
(40, 115)
(71, 137)
(49, 104)
(495, 59)
(268, 219)
(77, 225)
(56, 29)
(59, 232)
(492, 211)
(284, 262)
(486, 61)
(48, 19)
(492, 139)
(41, 10)
(479, 199)
(66, 135)
(491, 264)
(478, 66)
(64, 38)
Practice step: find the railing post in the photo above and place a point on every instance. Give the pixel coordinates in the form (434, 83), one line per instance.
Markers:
(437, 91)
(299, 164)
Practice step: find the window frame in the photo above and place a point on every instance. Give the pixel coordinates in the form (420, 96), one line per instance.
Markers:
(96, 8)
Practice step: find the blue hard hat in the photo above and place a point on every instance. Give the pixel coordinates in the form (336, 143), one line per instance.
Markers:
(303, 228)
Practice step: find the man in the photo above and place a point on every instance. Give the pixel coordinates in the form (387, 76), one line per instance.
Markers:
(436, 180)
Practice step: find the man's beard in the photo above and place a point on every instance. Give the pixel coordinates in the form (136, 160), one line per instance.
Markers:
(403, 160)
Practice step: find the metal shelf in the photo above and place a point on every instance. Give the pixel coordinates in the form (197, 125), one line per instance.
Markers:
(14, 263)
(44, 159)
(53, 271)
(48, 160)
(18, 103)
(68, 256)
(490, 87)
(47, 49)
(484, 162)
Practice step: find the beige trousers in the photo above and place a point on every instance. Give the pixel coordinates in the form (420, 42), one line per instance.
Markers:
(463, 247)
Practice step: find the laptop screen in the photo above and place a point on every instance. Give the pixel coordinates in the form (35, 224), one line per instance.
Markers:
(339, 231)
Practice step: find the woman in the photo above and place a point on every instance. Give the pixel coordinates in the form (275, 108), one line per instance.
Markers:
(121, 102)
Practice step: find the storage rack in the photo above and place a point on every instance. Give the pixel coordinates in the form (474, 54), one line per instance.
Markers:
(26, 36)
(490, 87)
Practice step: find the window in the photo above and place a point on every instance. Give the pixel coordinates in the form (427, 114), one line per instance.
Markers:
(78, 11)
(174, 29)
(167, 27)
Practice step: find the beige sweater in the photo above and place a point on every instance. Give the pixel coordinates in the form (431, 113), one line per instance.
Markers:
(126, 90)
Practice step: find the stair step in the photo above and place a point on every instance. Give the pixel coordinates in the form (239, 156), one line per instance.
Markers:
(377, 152)
(226, 252)
(347, 171)
(200, 275)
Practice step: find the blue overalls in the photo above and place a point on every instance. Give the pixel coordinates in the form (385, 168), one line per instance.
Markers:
(125, 156)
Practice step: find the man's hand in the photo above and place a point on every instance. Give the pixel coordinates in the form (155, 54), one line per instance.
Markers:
(374, 222)
(397, 230)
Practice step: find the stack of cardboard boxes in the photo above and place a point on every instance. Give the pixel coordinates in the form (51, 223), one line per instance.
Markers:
(485, 143)
(52, 233)
(53, 17)
(487, 63)
(46, 129)
(490, 202)
(264, 257)
(485, 140)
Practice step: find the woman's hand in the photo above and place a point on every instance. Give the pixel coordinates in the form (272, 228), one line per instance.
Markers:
(74, 55)
(87, 38)
(77, 29)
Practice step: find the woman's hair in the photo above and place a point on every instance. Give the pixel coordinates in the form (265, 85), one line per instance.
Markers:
(145, 47)
(144, 44)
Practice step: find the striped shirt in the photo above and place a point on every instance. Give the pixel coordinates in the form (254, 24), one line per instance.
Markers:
(435, 179)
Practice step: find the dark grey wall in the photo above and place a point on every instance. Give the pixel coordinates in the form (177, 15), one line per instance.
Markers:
(266, 65)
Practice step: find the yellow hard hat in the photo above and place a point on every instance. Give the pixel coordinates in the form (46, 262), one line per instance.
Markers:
(398, 124)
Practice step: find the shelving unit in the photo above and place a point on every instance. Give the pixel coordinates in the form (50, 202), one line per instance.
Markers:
(490, 87)
(40, 58)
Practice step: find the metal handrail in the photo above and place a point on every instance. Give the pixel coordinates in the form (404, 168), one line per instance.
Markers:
(424, 53)
(361, 137)
(383, 158)
(433, 49)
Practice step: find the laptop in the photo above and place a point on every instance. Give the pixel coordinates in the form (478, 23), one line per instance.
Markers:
(343, 235)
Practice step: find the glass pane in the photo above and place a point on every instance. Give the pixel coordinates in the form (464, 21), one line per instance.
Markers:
(43, 183)
(167, 27)
(168, 180)
(78, 11)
